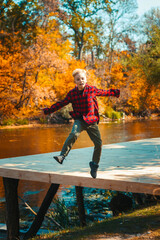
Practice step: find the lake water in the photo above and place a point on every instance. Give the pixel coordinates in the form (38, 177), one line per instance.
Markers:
(27, 141)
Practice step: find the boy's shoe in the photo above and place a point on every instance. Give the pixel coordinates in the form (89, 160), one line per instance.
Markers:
(94, 168)
(59, 158)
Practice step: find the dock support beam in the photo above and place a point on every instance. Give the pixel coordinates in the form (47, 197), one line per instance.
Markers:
(42, 211)
(12, 208)
(80, 203)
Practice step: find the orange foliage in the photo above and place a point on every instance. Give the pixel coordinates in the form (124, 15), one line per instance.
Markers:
(138, 90)
(143, 96)
(64, 81)
(27, 74)
(38, 75)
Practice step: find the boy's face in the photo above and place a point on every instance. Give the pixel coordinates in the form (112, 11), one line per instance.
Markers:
(80, 80)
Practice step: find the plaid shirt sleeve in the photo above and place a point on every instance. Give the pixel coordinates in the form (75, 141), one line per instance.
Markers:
(58, 105)
(110, 92)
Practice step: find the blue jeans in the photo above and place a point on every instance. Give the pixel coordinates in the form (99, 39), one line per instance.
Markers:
(94, 134)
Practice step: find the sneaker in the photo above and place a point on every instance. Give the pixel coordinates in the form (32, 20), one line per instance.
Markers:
(59, 158)
(94, 168)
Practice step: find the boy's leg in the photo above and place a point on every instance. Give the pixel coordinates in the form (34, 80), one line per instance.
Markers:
(94, 134)
(76, 130)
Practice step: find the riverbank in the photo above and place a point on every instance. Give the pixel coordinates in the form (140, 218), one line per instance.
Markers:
(142, 224)
(37, 123)
(137, 225)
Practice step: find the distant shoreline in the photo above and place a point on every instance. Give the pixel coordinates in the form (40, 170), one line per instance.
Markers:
(35, 124)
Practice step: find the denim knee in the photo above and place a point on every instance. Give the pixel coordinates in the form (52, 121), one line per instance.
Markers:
(73, 135)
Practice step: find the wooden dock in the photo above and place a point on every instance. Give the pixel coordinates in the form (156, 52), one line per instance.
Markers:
(129, 166)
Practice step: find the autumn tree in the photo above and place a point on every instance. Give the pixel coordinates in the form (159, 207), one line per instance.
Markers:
(27, 68)
(18, 18)
(93, 47)
(81, 20)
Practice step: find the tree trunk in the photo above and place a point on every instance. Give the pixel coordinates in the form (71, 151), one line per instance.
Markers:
(80, 52)
(21, 100)
(92, 57)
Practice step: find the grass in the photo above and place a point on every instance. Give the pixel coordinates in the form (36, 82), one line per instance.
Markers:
(144, 222)
(10, 122)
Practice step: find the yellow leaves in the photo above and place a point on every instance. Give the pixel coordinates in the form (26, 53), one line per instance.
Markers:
(117, 75)
(27, 74)
(137, 90)
(76, 21)
(143, 96)
(6, 107)
(153, 99)
(92, 79)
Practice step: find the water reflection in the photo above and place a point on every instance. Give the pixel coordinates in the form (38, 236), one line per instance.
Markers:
(20, 142)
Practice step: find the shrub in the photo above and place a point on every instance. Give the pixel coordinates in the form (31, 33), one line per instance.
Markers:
(110, 113)
(8, 122)
(22, 121)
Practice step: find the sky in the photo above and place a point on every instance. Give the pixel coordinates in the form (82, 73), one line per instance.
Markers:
(146, 5)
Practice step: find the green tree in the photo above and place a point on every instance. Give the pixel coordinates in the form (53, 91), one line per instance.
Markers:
(80, 19)
(149, 20)
(148, 56)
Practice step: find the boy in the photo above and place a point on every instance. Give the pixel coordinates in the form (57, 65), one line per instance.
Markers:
(85, 114)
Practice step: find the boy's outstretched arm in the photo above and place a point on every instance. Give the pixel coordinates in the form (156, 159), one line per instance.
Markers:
(114, 92)
(110, 92)
(57, 105)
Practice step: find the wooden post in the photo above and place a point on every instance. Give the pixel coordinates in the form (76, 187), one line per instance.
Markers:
(80, 203)
(42, 211)
(12, 208)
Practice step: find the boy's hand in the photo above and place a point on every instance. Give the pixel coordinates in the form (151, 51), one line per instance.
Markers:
(114, 92)
(117, 93)
(46, 111)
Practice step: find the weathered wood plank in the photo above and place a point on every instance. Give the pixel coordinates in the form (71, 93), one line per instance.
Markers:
(117, 185)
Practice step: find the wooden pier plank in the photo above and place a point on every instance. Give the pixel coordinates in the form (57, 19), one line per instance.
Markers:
(129, 166)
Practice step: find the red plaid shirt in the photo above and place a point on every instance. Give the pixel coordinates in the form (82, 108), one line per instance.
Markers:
(85, 105)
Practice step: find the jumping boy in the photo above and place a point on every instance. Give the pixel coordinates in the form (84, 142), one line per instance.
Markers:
(86, 116)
